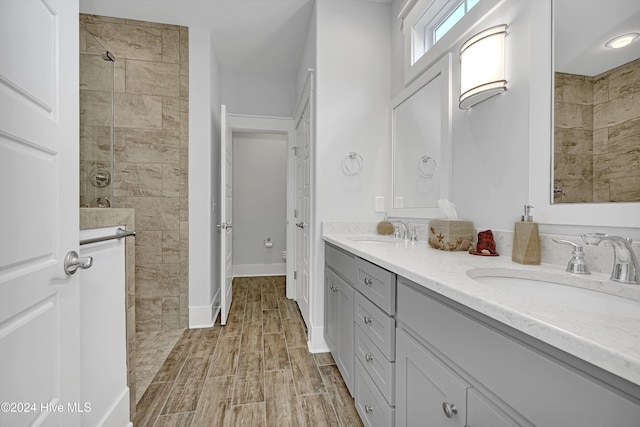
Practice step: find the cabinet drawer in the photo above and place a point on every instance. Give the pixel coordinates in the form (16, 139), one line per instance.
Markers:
(381, 371)
(371, 405)
(341, 262)
(424, 385)
(377, 325)
(377, 284)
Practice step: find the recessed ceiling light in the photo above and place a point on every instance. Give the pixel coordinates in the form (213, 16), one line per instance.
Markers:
(621, 41)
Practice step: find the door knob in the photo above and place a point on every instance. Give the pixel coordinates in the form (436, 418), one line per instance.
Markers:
(72, 262)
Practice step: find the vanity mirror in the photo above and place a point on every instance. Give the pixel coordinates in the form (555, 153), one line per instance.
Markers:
(596, 134)
(421, 144)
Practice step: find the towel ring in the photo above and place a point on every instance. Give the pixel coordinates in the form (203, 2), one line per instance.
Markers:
(352, 164)
(427, 166)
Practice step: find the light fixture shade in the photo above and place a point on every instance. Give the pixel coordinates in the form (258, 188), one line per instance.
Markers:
(482, 66)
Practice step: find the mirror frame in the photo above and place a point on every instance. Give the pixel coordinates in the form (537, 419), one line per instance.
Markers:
(442, 67)
(619, 214)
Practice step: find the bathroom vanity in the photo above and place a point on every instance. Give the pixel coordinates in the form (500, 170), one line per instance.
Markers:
(422, 339)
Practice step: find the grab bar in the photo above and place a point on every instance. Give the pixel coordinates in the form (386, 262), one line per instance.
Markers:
(120, 234)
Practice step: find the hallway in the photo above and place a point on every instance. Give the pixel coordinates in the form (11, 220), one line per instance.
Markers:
(254, 371)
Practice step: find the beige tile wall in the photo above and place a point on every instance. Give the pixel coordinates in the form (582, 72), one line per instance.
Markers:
(597, 136)
(151, 156)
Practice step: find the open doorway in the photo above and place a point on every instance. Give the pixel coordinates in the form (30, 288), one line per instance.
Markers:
(259, 204)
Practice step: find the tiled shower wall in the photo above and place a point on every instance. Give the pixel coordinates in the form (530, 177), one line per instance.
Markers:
(151, 156)
(597, 135)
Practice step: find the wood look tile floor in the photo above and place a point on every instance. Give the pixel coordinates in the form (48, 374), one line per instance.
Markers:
(254, 371)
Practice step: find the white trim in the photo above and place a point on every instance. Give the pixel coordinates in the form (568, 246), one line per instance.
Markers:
(317, 344)
(251, 270)
(204, 316)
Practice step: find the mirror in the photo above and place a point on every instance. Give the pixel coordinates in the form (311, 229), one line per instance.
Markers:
(421, 144)
(596, 138)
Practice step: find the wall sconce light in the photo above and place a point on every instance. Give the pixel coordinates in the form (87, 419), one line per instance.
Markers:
(482, 66)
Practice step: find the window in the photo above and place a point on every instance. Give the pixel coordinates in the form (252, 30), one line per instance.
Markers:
(436, 21)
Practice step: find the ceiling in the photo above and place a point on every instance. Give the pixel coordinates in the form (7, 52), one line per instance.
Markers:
(254, 36)
(582, 27)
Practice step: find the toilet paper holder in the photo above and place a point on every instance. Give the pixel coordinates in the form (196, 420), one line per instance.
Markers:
(268, 243)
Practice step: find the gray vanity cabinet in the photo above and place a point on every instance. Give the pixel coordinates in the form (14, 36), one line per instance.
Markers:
(510, 379)
(364, 349)
(339, 326)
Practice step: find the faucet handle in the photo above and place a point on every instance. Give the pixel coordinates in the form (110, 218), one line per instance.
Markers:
(414, 233)
(577, 264)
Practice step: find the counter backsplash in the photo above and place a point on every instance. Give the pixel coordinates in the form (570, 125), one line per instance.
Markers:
(598, 258)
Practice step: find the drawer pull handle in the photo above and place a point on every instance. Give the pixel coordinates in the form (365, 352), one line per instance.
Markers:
(368, 409)
(334, 288)
(367, 320)
(368, 358)
(368, 281)
(449, 409)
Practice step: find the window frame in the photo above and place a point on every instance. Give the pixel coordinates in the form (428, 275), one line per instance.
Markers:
(427, 15)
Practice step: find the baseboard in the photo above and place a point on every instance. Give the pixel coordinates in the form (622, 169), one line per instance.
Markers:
(317, 343)
(118, 414)
(204, 316)
(251, 270)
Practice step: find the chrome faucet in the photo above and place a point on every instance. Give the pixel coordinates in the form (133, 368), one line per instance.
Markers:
(397, 233)
(625, 263)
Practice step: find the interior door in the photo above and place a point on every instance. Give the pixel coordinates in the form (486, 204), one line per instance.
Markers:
(226, 218)
(39, 213)
(303, 209)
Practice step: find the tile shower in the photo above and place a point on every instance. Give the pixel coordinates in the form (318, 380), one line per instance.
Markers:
(597, 131)
(148, 144)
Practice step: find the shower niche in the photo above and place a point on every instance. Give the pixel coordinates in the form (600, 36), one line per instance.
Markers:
(96, 123)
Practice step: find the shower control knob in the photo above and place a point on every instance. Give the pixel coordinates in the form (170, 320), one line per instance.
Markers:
(72, 262)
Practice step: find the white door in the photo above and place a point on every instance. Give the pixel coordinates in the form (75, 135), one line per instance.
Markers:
(303, 209)
(226, 221)
(39, 213)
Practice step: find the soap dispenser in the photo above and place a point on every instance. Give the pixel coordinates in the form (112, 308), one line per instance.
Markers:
(526, 240)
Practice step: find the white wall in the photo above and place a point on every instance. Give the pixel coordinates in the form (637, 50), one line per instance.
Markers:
(259, 203)
(258, 94)
(490, 155)
(204, 101)
(352, 114)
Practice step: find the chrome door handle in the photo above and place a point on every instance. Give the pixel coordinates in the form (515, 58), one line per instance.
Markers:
(224, 226)
(368, 281)
(72, 262)
(300, 224)
(368, 357)
(366, 320)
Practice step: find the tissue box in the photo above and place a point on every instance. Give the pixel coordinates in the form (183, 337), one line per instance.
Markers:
(451, 234)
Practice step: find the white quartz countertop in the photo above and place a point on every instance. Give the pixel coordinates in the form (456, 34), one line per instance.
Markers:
(607, 339)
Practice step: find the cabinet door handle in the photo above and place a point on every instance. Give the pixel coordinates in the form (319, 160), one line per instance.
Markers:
(367, 320)
(368, 281)
(368, 409)
(368, 358)
(449, 409)
(335, 289)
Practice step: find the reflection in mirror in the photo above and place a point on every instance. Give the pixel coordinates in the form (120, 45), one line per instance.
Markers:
(421, 143)
(596, 102)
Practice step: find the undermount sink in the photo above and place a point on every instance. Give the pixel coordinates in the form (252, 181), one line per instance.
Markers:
(374, 239)
(551, 290)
